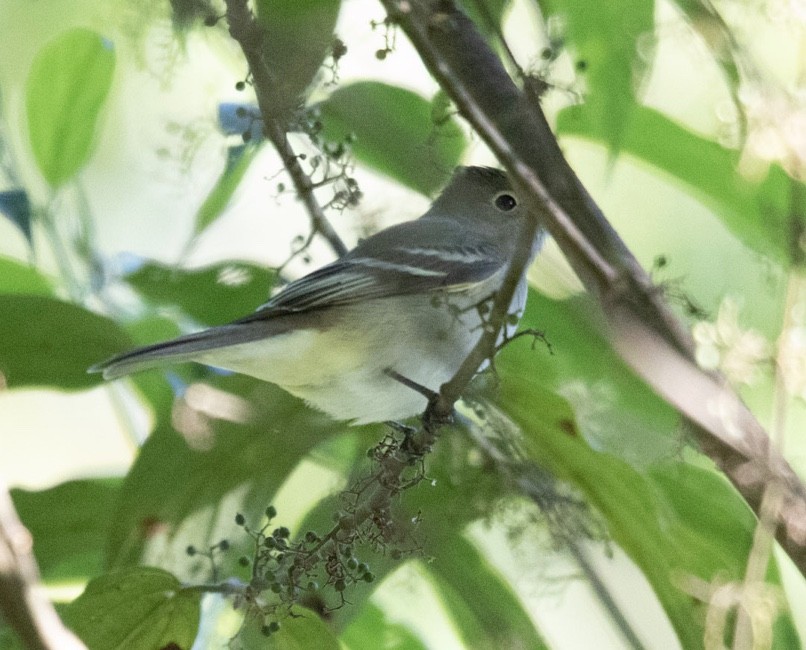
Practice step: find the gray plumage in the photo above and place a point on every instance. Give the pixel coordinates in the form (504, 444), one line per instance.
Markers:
(404, 299)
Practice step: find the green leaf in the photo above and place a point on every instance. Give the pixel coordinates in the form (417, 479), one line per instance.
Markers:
(371, 629)
(219, 197)
(304, 630)
(604, 37)
(16, 277)
(298, 36)
(135, 609)
(69, 524)
(679, 523)
(46, 342)
(644, 527)
(212, 295)
(67, 86)
(395, 133)
(177, 475)
(486, 612)
(758, 213)
(616, 411)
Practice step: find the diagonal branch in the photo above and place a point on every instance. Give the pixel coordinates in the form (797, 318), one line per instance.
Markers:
(247, 32)
(23, 604)
(643, 329)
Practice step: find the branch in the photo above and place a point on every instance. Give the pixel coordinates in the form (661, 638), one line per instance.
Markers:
(248, 34)
(23, 604)
(644, 330)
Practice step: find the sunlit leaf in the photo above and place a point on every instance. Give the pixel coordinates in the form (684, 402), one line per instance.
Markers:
(372, 629)
(297, 38)
(69, 524)
(616, 411)
(219, 197)
(135, 609)
(486, 612)
(303, 631)
(606, 39)
(67, 86)
(212, 295)
(395, 133)
(47, 342)
(759, 213)
(16, 277)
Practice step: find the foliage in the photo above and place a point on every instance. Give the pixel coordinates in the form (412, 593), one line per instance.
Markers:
(564, 432)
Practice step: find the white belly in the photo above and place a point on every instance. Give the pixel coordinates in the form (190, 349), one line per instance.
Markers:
(342, 369)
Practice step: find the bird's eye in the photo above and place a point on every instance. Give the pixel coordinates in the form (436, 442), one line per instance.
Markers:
(505, 202)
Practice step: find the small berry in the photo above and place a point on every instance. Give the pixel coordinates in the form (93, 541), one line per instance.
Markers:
(240, 520)
(271, 511)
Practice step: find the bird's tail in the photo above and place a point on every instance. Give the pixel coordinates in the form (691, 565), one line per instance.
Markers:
(184, 348)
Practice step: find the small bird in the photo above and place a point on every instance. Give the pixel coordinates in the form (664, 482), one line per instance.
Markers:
(401, 311)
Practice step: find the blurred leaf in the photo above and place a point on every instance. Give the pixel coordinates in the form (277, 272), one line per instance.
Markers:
(758, 213)
(606, 38)
(298, 36)
(306, 632)
(660, 520)
(486, 612)
(394, 133)
(69, 524)
(135, 609)
(615, 410)
(67, 86)
(486, 14)
(46, 342)
(713, 30)
(219, 197)
(16, 277)
(644, 527)
(457, 492)
(212, 295)
(16, 206)
(9, 640)
(372, 629)
(186, 13)
(176, 476)
(707, 504)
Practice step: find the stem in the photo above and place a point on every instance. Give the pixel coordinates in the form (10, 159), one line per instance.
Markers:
(247, 32)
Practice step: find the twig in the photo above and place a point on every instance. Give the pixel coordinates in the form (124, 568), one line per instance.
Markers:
(23, 604)
(247, 32)
(644, 330)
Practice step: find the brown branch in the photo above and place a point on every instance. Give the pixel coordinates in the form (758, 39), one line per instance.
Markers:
(23, 604)
(247, 32)
(644, 330)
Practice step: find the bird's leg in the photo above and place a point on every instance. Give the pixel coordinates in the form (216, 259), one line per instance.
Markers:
(423, 390)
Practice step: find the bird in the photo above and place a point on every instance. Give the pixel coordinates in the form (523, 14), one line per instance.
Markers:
(368, 336)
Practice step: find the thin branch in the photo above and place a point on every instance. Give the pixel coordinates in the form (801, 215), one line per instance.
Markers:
(644, 330)
(23, 604)
(247, 32)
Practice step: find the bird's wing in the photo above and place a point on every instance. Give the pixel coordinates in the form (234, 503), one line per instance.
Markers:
(365, 275)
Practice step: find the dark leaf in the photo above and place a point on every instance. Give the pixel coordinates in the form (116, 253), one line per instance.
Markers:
(135, 609)
(16, 206)
(395, 133)
(212, 295)
(47, 342)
